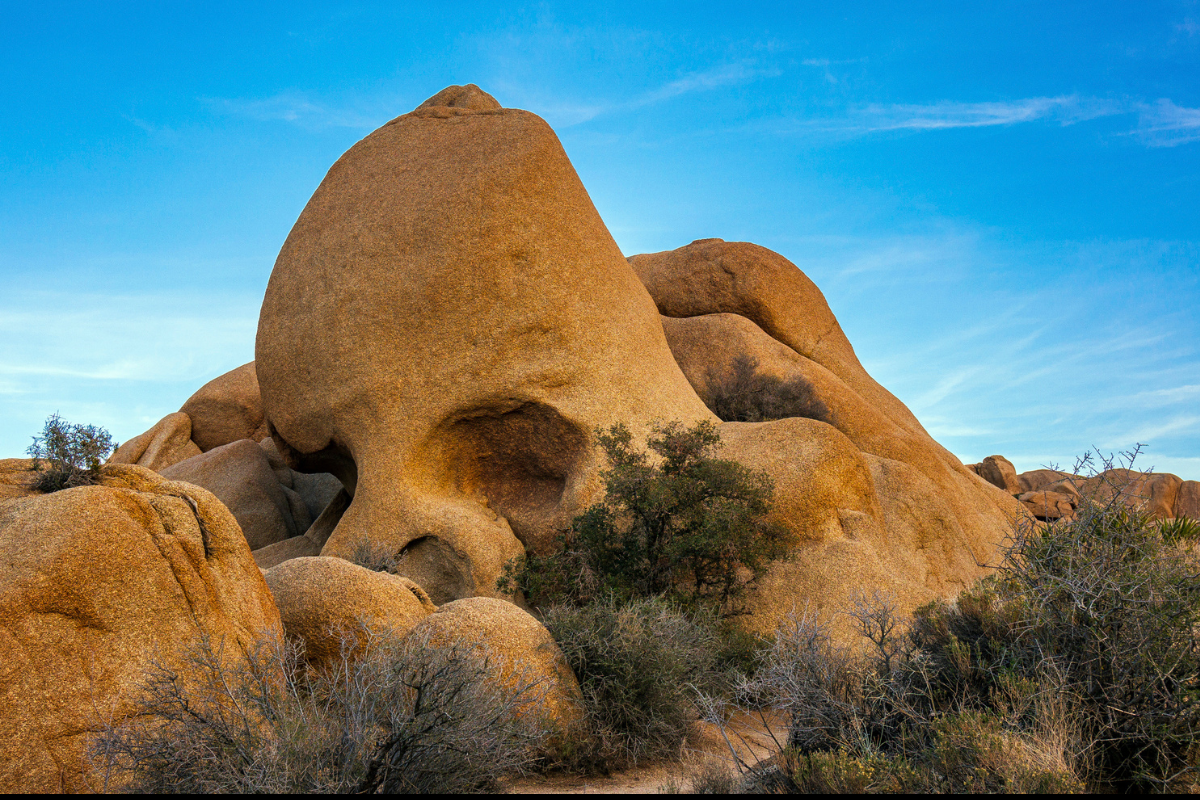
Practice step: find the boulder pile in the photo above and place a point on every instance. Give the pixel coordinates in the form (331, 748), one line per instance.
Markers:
(448, 327)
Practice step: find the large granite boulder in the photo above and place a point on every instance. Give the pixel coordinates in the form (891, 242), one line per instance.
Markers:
(97, 585)
(167, 443)
(226, 409)
(520, 650)
(446, 326)
(18, 476)
(240, 475)
(332, 607)
(1187, 500)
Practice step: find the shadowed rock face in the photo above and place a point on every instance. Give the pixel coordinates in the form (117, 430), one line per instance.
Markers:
(449, 322)
(446, 326)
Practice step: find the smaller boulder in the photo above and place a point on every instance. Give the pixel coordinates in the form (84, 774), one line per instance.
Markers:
(1152, 492)
(1187, 500)
(241, 477)
(999, 471)
(522, 650)
(1041, 478)
(167, 443)
(1049, 506)
(332, 606)
(226, 409)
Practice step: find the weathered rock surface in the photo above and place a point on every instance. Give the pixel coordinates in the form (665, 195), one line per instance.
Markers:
(1041, 478)
(312, 541)
(167, 443)
(1187, 500)
(999, 472)
(446, 326)
(241, 477)
(520, 648)
(1048, 505)
(923, 522)
(1153, 492)
(316, 490)
(331, 605)
(17, 477)
(98, 583)
(226, 409)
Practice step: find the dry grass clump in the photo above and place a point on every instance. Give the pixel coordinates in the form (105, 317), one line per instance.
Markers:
(1076, 666)
(744, 394)
(405, 717)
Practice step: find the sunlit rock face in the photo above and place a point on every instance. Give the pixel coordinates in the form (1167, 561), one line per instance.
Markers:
(446, 326)
(449, 322)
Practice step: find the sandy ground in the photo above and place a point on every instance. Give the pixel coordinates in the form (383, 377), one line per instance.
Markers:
(749, 734)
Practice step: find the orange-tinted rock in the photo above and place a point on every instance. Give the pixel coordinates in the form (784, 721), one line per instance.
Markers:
(445, 328)
(330, 605)
(519, 648)
(1049, 506)
(1187, 500)
(999, 472)
(1041, 478)
(17, 477)
(226, 409)
(97, 584)
(1153, 492)
(167, 443)
(241, 477)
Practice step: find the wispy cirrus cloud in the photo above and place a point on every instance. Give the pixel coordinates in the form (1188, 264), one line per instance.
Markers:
(1165, 124)
(716, 77)
(297, 108)
(1066, 110)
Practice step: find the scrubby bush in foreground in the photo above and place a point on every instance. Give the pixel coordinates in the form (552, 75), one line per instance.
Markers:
(406, 717)
(640, 665)
(69, 455)
(1075, 666)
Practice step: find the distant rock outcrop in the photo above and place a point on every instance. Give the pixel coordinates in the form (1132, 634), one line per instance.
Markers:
(167, 443)
(97, 585)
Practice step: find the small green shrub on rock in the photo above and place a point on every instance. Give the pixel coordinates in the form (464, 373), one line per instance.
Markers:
(69, 455)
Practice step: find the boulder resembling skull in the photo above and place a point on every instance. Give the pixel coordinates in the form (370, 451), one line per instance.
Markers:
(446, 326)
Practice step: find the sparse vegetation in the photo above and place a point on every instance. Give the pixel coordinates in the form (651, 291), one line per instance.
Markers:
(1074, 667)
(639, 664)
(744, 394)
(404, 717)
(69, 455)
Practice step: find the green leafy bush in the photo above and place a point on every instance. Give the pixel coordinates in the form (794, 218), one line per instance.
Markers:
(69, 455)
(675, 521)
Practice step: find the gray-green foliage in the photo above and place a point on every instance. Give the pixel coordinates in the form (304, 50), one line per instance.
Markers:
(69, 455)
(1076, 665)
(407, 717)
(640, 664)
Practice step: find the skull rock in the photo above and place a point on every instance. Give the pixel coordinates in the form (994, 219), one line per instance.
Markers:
(446, 326)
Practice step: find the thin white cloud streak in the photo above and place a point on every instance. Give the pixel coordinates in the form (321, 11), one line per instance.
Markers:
(1151, 434)
(295, 108)
(706, 80)
(1165, 124)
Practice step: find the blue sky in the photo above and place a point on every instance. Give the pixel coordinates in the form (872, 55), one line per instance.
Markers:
(1001, 205)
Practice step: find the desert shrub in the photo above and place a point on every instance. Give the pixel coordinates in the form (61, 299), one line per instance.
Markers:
(674, 521)
(69, 455)
(1075, 665)
(639, 665)
(375, 556)
(405, 717)
(744, 394)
